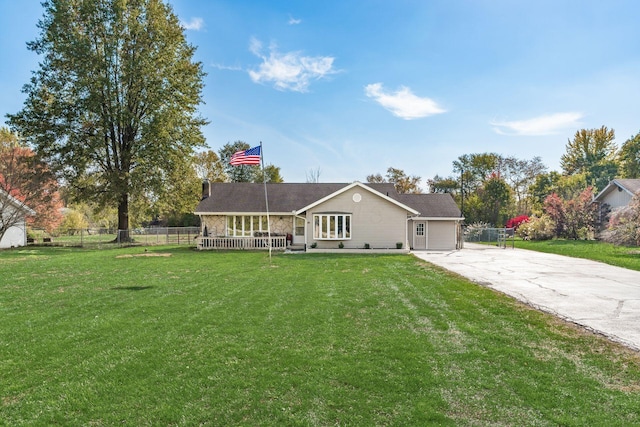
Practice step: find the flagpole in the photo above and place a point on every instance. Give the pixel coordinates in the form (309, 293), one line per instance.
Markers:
(266, 199)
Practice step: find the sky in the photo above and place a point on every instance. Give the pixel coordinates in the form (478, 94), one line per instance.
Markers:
(349, 88)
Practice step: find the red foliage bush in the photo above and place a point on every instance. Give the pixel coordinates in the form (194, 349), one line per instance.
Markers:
(517, 221)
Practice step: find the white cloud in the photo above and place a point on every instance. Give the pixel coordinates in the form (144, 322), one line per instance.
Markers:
(403, 103)
(289, 71)
(294, 21)
(544, 125)
(227, 67)
(195, 24)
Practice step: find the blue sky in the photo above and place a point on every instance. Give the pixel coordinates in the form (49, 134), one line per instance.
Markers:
(353, 87)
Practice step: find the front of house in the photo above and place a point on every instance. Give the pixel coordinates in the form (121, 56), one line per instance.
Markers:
(328, 216)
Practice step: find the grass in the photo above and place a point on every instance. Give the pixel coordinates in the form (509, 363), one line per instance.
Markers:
(182, 337)
(621, 256)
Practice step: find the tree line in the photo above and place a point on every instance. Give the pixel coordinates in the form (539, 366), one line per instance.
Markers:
(491, 188)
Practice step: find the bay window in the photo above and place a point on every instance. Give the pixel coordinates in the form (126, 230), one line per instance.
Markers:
(332, 226)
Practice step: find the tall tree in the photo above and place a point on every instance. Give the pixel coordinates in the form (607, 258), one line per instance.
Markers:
(440, 184)
(270, 174)
(593, 152)
(629, 157)
(404, 184)
(496, 198)
(208, 166)
(114, 102)
(243, 173)
(520, 175)
(246, 173)
(473, 170)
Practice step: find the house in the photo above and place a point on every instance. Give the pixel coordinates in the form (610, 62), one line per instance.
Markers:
(618, 193)
(13, 215)
(328, 216)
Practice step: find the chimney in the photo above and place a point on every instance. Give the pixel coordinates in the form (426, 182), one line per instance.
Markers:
(206, 189)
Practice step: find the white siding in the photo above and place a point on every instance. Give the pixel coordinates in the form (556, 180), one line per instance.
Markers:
(374, 220)
(616, 199)
(15, 236)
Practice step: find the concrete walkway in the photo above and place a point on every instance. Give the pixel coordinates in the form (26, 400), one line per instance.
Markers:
(598, 296)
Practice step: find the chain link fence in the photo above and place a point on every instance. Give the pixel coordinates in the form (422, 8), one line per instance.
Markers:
(108, 237)
(501, 237)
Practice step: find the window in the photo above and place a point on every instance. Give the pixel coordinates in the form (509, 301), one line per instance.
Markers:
(420, 229)
(300, 223)
(332, 226)
(246, 225)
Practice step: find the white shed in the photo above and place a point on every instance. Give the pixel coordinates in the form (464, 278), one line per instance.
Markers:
(13, 220)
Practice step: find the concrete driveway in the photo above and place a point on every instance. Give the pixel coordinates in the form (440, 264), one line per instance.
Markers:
(598, 296)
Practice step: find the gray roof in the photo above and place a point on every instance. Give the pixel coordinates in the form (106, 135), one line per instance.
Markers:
(432, 205)
(243, 197)
(632, 186)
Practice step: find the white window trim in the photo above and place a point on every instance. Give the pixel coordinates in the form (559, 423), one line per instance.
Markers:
(332, 234)
(234, 232)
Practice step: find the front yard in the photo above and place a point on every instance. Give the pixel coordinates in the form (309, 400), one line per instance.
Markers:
(172, 336)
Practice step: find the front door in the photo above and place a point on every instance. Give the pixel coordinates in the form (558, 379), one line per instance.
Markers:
(420, 235)
(298, 230)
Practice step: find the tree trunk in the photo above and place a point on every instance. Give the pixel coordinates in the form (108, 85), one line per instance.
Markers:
(123, 218)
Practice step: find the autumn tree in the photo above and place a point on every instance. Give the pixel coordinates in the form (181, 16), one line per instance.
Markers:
(113, 105)
(574, 218)
(404, 184)
(629, 157)
(592, 152)
(565, 186)
(28, 180)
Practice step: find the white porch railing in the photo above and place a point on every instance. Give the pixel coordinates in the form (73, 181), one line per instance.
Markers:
(251, 243)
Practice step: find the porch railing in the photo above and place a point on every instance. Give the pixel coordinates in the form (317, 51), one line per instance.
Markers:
(250, 243)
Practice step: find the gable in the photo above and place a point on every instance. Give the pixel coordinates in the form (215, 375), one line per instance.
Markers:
(618, 192)
(363, 187)
(7, 200)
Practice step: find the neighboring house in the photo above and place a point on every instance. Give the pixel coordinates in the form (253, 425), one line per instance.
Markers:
(325, 216)
(13, 213)
(616, 194)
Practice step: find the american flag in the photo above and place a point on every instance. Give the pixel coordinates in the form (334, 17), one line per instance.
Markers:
(246, 157)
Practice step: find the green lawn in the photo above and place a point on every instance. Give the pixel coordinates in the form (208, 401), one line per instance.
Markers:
(621, 256)
(113, 337)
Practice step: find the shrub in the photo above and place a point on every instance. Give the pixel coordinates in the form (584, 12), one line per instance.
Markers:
(473, 232)
(624, 225)
(537, 228)
(517, 221)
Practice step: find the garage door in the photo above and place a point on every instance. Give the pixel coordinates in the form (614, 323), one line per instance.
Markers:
(441, 235)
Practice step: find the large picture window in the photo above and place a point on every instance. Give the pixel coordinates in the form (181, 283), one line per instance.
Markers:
(332, 226)
(246, 225)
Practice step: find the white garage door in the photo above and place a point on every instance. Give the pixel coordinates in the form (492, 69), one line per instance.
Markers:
(441, 235)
